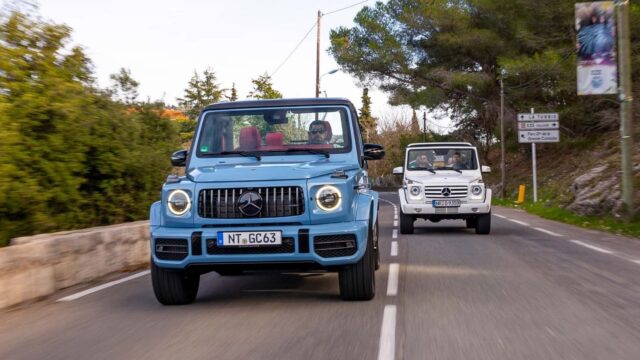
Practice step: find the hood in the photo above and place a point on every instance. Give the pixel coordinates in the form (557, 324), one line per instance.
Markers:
(444, 178)
(266, 171)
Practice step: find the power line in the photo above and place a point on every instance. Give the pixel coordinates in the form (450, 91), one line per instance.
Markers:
(308, 32)
(294, 50)
(345, 8)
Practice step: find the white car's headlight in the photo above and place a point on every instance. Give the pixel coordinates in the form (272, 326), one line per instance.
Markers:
(477, 191)
(328, 198)
(415, 190)
(178, 202)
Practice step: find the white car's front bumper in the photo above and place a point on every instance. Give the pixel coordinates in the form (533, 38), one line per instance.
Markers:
(425, 208)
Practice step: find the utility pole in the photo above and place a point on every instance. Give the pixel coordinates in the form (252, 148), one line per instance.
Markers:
(424, 126)
(318, 55)
(626, 100)
(535, 170)
(502, 166)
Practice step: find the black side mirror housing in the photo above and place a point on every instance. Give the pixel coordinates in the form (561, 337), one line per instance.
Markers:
(373, 152)
(179, 158)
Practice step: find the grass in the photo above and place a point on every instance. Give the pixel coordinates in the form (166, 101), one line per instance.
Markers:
(549, 211)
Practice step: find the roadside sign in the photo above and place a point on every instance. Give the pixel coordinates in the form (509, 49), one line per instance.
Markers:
(538, 136)
(537, 125)
(538, 117)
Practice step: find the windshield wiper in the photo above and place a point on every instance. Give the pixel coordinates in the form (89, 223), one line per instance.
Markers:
(241, 153)
(310, 151)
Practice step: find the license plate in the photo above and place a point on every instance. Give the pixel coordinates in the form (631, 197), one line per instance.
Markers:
(445, 203)
(249, 238)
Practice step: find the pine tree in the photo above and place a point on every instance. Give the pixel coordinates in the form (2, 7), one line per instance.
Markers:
(124, 87)
(200, 92)
(368, 123)
(415, 125)
(234, 93)
(263, 88)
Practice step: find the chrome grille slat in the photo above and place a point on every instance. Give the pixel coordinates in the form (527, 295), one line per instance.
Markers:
(435, 192)
(277, 202)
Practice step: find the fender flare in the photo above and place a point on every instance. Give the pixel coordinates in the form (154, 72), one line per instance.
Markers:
(155, 214)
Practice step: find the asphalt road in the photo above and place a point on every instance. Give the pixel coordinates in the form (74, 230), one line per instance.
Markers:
(532, 289)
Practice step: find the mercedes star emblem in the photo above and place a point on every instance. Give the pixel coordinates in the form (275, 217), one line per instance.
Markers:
(446, 192)
(250, 203)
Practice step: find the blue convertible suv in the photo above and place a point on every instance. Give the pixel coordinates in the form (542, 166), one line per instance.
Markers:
(269, 185)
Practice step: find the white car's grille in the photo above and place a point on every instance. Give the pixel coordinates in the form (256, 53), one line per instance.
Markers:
(446, 192)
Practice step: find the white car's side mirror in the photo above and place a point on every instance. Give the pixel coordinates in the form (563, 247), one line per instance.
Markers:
(486, 169)
(398, 170)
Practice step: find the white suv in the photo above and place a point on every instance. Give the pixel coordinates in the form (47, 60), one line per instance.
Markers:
(444, 181)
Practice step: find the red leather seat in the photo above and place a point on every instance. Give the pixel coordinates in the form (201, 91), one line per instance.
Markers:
(249, 138)
(274, 141)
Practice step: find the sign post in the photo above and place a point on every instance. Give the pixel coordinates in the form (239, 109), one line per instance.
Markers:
(537, 128)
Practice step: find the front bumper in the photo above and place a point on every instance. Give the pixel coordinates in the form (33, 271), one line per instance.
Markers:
(303, 251)
(465, 209)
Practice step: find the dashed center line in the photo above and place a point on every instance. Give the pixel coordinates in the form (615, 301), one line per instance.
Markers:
(395, 223)
(387, 350)
(103, 286)
(500, 216)
(394, 248)
(518, 222)
(605, 251)
(395, 234)
(548, 232)
(392, 284)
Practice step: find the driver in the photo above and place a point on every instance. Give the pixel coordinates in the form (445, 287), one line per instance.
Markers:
(319, 132)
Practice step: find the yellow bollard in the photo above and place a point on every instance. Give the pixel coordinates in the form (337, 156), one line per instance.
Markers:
(521, 189)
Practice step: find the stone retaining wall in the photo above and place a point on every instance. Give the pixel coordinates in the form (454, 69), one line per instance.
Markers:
(36, 266)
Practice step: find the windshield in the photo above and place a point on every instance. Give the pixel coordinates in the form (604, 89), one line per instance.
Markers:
(275, 130)
(442, 159)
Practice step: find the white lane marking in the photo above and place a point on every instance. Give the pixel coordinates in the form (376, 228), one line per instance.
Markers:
(395, 216)
(387, 350)
(519, 222)
(605, 251)
(500, 216)
(636, 261)
(394, 248)
(103, 286)
(548, 232)
(395, 234)
(395, 223)
(392, 285)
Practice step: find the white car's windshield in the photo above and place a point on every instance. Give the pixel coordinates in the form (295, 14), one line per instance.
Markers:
(441, 159)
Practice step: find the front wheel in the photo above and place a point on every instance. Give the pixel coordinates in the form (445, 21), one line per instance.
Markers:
(358, 281)
(483, 224)
(406, 223)
(174, 287)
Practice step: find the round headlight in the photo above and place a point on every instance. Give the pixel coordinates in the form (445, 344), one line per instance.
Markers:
(328, 198)
(415, 190)
(179, 202)
(476, 189)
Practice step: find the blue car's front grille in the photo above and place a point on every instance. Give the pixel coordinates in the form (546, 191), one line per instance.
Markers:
(273, 202)
(329, 246)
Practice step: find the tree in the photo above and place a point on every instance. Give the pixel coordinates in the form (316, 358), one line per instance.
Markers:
(234, 93)
(367, 122)
(124, 88)
(200, 92)
(415, 125)
(263, 88)
(447, 55)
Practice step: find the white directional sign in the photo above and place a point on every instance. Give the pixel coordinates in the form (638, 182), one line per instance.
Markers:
(538, 136)
(538, 117)
(536, 125)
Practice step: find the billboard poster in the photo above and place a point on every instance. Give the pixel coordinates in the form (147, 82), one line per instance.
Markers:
(597, 64)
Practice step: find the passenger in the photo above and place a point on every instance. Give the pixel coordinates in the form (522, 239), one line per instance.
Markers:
(421, 162)
(456, 162)
(319, 132)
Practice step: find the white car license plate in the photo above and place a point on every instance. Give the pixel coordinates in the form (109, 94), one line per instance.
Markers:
(446, 203)
(249, 238)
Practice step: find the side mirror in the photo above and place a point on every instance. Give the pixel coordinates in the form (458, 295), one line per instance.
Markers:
(179, 158)
(398, 170)
(486, 169)
(373, 152)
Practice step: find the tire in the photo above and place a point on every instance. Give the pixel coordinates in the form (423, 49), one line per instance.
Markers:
(471, 223)
(483, 224)
(174, 287)
(406, 223)
(377, 247)
(358, 281)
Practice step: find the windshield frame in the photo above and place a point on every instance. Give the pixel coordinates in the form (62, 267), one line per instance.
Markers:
(440, 148)
(346, 120)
